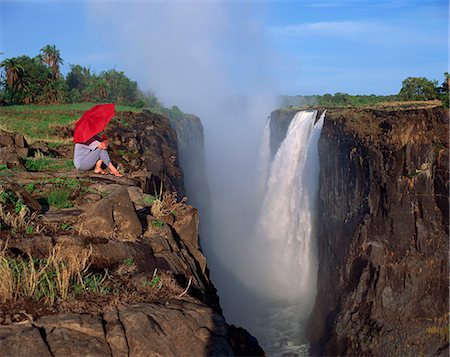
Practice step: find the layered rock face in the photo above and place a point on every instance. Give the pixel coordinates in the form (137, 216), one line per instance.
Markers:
(383, 234)
(148, 146)
(191, 157)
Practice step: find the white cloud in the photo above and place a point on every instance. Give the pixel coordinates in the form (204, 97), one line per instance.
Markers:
(347, 29)
(363, 32)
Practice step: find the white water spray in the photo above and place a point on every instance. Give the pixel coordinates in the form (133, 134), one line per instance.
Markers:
(284, 247)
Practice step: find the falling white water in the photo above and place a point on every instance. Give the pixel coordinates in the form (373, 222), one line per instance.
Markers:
(284, 242)
(264, 161)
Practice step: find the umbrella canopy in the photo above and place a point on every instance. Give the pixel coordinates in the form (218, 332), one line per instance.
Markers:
(93, 122)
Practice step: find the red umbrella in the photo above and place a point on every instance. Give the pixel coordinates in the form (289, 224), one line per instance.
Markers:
(93, 122)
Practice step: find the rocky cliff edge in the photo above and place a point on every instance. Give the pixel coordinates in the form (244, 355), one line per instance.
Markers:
(383, 233)
(105, 266)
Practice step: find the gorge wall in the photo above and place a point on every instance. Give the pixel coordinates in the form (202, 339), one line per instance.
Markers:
(382, 233)
(129, 236)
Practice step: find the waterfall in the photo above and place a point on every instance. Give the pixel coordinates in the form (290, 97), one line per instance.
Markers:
(263, 164)
(284, 246)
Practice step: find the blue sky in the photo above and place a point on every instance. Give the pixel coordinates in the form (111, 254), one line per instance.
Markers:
(296, 47)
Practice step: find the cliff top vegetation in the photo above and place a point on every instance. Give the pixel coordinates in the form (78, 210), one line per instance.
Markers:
(414, 89)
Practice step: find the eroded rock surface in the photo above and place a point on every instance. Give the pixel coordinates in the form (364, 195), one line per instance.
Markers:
(113, 215)
(145, 142)
(172, 328)
(383, 234)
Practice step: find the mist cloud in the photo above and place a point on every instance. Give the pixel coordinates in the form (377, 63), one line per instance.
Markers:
(211, 59)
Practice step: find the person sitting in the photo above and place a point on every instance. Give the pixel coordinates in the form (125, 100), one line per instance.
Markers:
(93, 154)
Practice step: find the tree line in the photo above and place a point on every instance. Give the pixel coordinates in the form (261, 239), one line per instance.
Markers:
(38, 80)
(413, 88)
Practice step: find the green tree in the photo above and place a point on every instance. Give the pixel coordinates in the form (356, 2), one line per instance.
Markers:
(443, 90)
(14, 73)
(35, 78)
(120, 88)
(418, 88)
(96, 91)
(51, 57)
(78, 77)
(55, 88)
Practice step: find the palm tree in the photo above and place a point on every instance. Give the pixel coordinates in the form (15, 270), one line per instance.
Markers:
(14, 75)
(51, 57)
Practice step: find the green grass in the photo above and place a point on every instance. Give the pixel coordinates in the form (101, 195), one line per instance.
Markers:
(94, 282)
(157, 223)
(65, 107)
(60, 198)
(43, 122)
(66, 227)
(30, 187)
(149, 200)
(156, 281)
(48, 164)
(10, 197)
(69, 182)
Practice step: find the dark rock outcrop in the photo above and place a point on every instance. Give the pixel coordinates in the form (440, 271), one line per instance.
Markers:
(145, 142)
(383, 234)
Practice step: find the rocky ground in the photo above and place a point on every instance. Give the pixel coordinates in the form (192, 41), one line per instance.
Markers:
(144, 289)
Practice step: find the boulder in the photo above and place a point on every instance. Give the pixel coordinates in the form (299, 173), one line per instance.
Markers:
(12, 139)
(11, 156)
(113, 216)
(147, 144)
(22, 341)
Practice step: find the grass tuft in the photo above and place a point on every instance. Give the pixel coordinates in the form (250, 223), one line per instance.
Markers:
(15, 215)
(50, 279)
(60, 198)
(47, 164)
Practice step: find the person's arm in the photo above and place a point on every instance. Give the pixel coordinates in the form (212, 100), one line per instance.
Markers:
(93, 145)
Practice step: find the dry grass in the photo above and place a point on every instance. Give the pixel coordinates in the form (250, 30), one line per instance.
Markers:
(165, 204)
(20, 221)
(50, 279)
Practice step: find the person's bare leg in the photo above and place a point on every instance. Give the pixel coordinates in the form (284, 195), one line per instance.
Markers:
(98, 167)
(114, 171)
